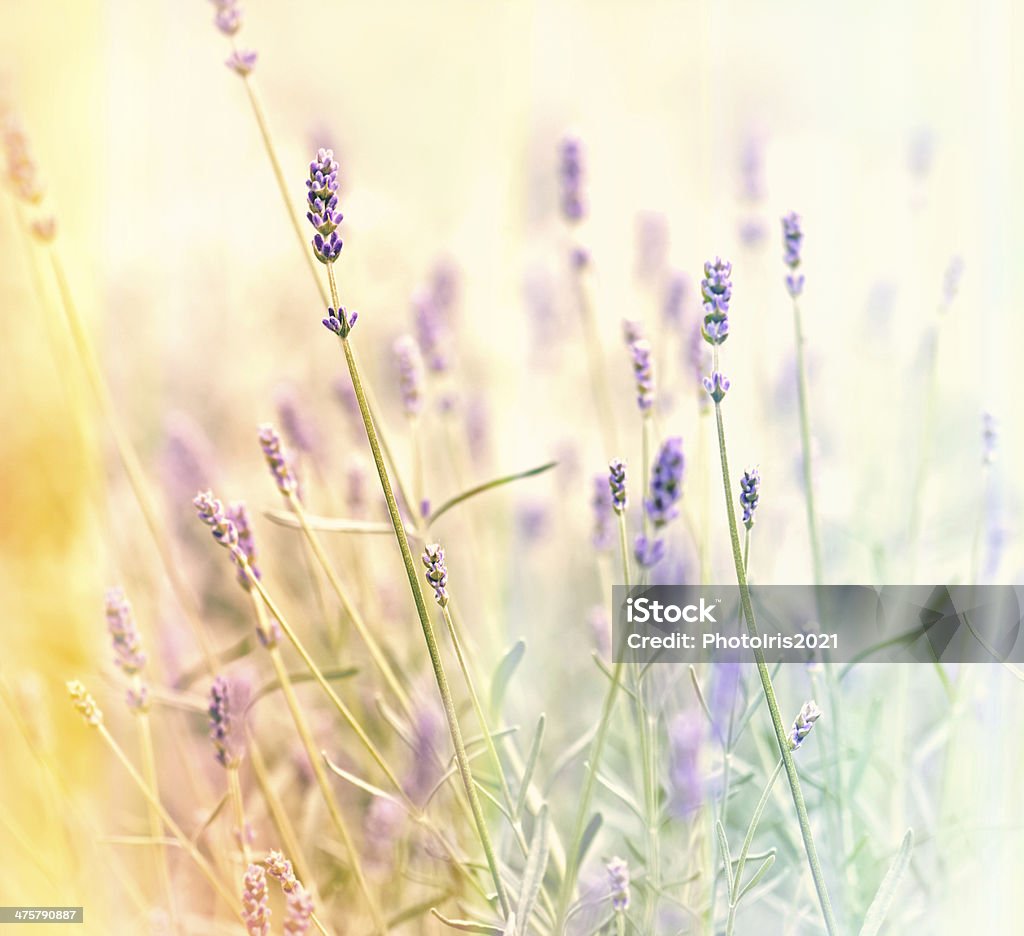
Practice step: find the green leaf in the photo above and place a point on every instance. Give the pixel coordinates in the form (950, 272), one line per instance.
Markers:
(723, 845)
(470, 926)
(758, 874)
(887, 889)
(487, 486)
(587, 839)
(356, 781)
(531, 763)
(533, 873)
(503, 675)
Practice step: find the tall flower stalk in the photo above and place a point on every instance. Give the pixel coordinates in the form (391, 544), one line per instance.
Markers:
(717, 288)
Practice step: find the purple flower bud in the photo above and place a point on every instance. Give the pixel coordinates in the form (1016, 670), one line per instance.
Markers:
(716, 289)
(437, 571)
(211, 512)
(226, 711)
(571, 178)
(601, 503)
(685, 734)
(717, 385)
(242, 61)
(792, 240)
(322, 201)
(228, 18)
(128, 655)
(327, 249)
(750, 485)
(410, 374)
(648, 551)
(618, 884)
(632, 331)
(238, 514)
(804, 722)
(617, 483)
(277, 460)
(340, 321)
(256, 902)
(666, 483)
(643, 372)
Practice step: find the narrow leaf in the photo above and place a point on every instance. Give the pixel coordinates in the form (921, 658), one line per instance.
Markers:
(356, 781)
(286, 518)
(503, 674)
(533, 873)
(887, 889)
(723, 845)
(487, 486)
(758, 874)
(531, 763)
(469, 926)
(587, 839)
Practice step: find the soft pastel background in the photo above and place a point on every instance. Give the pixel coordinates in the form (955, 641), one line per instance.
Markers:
(445, 118)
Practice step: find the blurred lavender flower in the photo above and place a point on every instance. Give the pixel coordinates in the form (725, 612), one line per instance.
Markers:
(989, 438)
(618, 884)
(721, 701)
(685, 734)
(752, 188)
(226, 710)
(382, 824)
(129, 656)
(427, 731)
(84, 703)
(211, 512)
(750, 485)
(410, 374)
(299, 904)
(600, 628)
(921, 152)
(228, 16)
(951, 280)
(323, 214)
(187, 459)
(277, 460)
(238, 514)
(571, 177)
(696, 355)
(617, 484)
(717, 386)
(242, 61)
(651, 245)
(433, 308)
(632, 330)
(21, 168)
(298, 430)
(648, 551)
(804, 722)
(478, 429)
(437, 571)
(643, 372)
(677, 290)
(792, 240)
(256, 902)
(666, 483)
(532, 520)
(601, 503)
(716, 290)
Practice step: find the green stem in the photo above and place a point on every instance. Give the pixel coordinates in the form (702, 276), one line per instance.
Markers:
(769, 693)
(428, 630)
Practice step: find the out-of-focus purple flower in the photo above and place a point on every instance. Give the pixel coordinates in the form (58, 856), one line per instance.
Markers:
(21, 168)
(437, 571)
(600, 628)
(697, 360)
(211, 512)
(722, 697)
(792, 241)
(648, 551)
(750, 485)
(433, 309)
(242, 61)
(617, 484)
(921, 152)
(989, 438)
(345, 394)
(651, 245)
(427, 731)
(382, 825)
(570, 172)
(677, 290)
(643, 372)
(228, 18)
(752, 228)
(717, 386)
(601, 503)
(187, 459)
(322, 200)
(128, 654)
(478, 429)
(238, 514)
(632, 331)
(951, 279)
(666, 483)
(618, 884)
(685, 735)
(226, 711)
(277, 460)
(256, 901)
(532, 520)
(716, 290)
(809, 713)
(298, 430)
(410, 374)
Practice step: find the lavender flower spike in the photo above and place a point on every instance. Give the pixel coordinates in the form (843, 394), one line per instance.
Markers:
(277, 460)
(224, 727)
(322, 199)
(805, 719)
(211, 512)
(792, 240)
(643, 371)
(437, 571)
(618, 884)
(666, 483)
(717, 385)
(85, 703)
(238, 514)
(716, 289)
(410, 374)
(750, 485)
(648, 552)
(129, 657)
(617, 482)
(256, 902)
(340, 321)
(299, 903)
(242, 61)
(228, 18)
(601, 502)
(570, 173)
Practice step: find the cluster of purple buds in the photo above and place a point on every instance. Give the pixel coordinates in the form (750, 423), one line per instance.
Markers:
(666, 483)
(410, 374)
(617, 483)
(238, 514)
(792, 241)
(299, 909)
(211, 512)
(601, 502)
(224, 727)
(256, 902)
(437, 571)
(433, 308)
(228, 19)
(648, 551)
(750, 485)
(809, 713)
(322, 199)
(716, 290)
(278, 460)
(570, 172)
(717, 386)
(643, 372)
(618, 884)
(128, 654)
(632, 330)
(340, 321)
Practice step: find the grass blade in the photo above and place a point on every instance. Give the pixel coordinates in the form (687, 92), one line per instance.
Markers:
(487, 486)
(503, 675)
(531, 763)
(533, 873)
(887, 889)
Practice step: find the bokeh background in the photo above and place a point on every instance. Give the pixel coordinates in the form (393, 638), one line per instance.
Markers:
(894, 131)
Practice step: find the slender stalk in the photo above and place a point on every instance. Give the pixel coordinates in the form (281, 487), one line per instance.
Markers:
(238, 809)
(428, 630)
(587, 793)
(769, 693)
(317, 765)
(130, 461)
(186, 843)
(376, 653)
